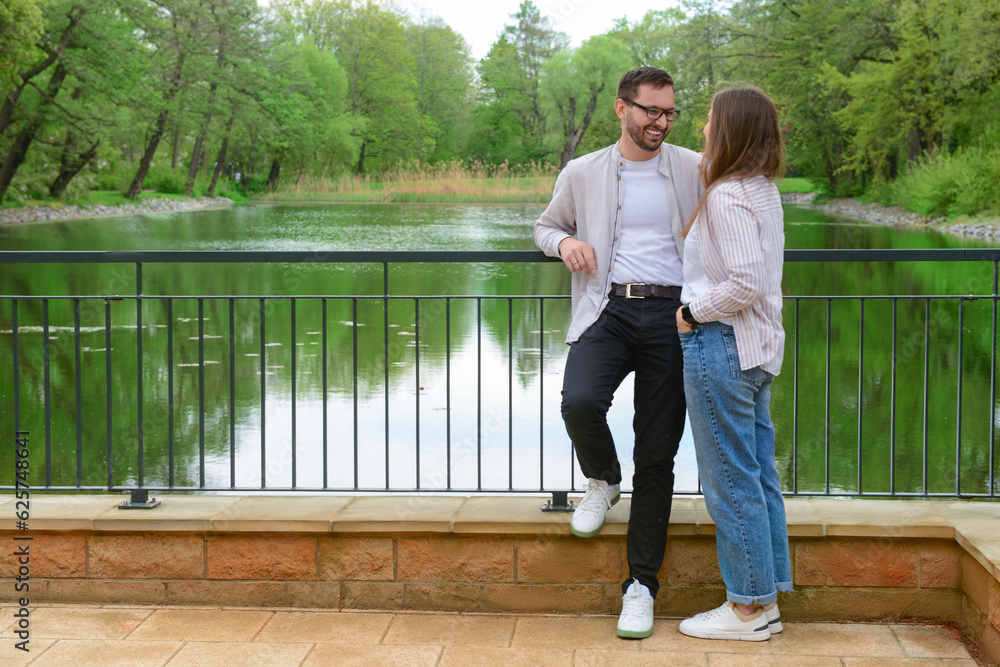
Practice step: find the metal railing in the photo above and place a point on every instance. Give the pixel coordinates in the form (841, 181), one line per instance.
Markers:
(888, 455)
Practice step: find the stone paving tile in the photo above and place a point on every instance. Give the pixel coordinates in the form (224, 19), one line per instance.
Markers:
(930, 641)
(196, 654)
(11, 656)
(736, 660)
(907, 662)
(836, 639)
(575, 632)
(84, 623)
(463, 656)
(450, 630)
(107, 653)
(667, 637)
(202, 625)
(326, 627)
(611, 658)
(360, 655)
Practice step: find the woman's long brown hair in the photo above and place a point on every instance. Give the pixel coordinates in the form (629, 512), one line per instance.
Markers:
(745, 141)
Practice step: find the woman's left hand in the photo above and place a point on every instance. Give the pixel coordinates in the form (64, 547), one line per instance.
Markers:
(682, 325)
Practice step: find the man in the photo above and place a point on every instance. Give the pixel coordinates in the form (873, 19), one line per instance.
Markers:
(615, 220)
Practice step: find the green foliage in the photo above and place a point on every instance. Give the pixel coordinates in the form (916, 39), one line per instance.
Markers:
(21, 27)
(327, 88)
(965, 182)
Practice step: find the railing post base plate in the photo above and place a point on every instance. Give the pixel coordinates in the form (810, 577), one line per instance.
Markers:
(559, 502)
(139, 500)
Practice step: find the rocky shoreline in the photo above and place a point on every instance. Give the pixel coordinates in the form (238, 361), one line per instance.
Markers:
(13, 216)
(894, 216)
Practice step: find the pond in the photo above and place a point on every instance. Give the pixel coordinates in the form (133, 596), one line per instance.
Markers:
(489, 431)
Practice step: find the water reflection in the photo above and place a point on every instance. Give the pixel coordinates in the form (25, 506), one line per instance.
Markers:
(445, 429)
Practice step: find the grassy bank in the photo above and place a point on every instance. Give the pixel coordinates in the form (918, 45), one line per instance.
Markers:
(452, 182)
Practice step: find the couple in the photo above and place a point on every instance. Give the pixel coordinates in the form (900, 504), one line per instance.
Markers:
(676, 275)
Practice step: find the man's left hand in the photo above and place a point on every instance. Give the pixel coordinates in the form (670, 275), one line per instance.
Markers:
(682, 325)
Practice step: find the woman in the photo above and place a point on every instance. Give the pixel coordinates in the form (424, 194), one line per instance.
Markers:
(731, 334)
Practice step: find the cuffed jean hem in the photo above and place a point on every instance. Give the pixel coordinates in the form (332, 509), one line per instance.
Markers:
(781, 587)
(762, 600)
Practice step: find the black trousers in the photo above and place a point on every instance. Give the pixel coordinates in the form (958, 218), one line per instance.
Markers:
(640, 336)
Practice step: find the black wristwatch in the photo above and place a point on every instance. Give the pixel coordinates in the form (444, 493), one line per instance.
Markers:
(686, 315)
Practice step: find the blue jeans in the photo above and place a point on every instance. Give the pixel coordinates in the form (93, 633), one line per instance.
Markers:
(734, 443)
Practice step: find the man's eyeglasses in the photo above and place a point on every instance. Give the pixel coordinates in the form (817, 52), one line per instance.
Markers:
(653, 113)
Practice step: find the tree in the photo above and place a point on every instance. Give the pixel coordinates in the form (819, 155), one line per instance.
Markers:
(443, 84)
(535, 42)
(576, 84)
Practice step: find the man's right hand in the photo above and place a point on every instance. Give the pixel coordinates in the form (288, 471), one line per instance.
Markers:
(578, 255)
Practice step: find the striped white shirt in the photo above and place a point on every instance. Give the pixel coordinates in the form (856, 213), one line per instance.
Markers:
(741, 244)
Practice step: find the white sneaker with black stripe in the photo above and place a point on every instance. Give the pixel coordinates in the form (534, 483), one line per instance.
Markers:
(773, 618)
(726, 623)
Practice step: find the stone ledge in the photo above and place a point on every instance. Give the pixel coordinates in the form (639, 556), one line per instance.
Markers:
(972, 524)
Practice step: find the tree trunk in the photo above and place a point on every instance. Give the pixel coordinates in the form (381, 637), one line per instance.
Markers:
(147, 157)
(576, 135)
(71, 166)
(18, 151)
(361, 158)
(158, 131)
(220, 161)
(272, 177)
(177, 147)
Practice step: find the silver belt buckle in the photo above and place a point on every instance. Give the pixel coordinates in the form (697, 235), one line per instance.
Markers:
(628, 291)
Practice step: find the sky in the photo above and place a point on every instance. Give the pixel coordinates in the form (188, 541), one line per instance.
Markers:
(480, 22)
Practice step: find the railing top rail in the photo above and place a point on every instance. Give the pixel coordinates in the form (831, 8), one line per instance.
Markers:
(440, 256)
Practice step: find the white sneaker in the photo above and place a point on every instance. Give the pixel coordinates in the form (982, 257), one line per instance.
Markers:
(588, 518)
(636, 620)
(725, 623)
(773, 618)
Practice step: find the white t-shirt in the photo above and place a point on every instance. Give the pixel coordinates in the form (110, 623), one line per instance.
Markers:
(646, 249)
(696, 282)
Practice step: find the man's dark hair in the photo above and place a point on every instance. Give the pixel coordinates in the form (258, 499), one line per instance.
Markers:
(628, 85)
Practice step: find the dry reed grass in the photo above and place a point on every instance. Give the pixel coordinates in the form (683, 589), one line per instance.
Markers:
(454, 181)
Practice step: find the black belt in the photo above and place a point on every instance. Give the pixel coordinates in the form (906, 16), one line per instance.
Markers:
(642, 291)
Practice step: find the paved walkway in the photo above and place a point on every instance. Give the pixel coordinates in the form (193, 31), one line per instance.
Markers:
(111, 635)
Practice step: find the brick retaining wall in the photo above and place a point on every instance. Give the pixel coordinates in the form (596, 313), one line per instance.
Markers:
(852, 560)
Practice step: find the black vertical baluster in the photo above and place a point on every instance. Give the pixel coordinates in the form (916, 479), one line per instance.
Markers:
(447, 387)
(385, 356)
(861, 388)
(958, 417)
(326, 481)
(107, 379)
(232, 393)
(263, 399)
(47, 400)
(993, 379)
(170, 391)
(829, 319)
(354, 328)
(479, 394)
(294, 387)
(201, 393)
(416, 363)
(15, 352)
(541, 394)
(927, 387)
(79, 393)
(892, 402)
(510, 394)
(138, 379)
(795, 403)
